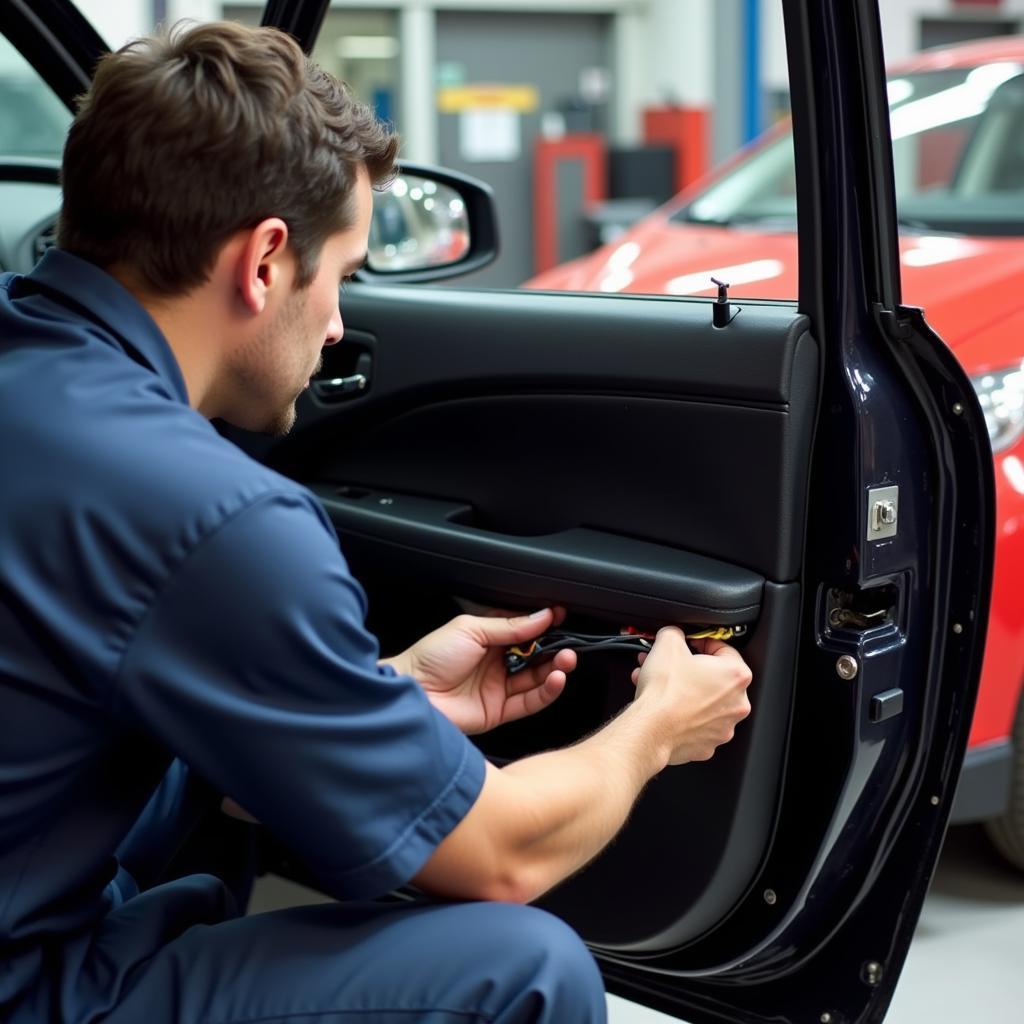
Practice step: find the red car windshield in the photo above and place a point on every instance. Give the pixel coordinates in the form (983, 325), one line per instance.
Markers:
(958, 151)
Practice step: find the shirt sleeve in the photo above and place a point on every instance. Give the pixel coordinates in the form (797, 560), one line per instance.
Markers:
(253, 665)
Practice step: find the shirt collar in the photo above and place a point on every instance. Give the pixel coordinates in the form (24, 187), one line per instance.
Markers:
(111, 304)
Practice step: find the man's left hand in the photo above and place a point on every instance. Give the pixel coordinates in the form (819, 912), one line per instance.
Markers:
(461, 666)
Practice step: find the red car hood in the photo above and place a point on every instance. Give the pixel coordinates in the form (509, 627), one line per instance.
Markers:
(966, 284)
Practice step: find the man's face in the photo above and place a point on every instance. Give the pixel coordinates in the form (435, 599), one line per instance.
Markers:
(277, 366)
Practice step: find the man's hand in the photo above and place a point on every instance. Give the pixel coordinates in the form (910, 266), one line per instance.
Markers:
(539, 819)
(700, 698)
(461, 666)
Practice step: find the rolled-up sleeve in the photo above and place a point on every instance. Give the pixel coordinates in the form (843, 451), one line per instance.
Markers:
(253, 665)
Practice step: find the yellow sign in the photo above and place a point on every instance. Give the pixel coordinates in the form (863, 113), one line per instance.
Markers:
(455, 99)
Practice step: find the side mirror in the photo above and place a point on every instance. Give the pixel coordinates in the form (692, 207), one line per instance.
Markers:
(430, 224)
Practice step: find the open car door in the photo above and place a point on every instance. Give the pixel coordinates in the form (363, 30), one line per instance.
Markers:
(815, 475)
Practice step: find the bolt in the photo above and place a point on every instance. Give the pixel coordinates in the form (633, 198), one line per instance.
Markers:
(872, 972)
(957, 628)
(826, 1018)
(958, 408)
(934, 801)
(770, 897)
(847, 667)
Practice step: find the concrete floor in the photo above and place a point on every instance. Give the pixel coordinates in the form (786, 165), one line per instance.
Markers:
(966, 963)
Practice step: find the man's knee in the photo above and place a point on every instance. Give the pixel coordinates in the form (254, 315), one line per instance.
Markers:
(554, 977)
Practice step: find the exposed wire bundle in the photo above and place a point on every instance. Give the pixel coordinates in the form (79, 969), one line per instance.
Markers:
(518, 657)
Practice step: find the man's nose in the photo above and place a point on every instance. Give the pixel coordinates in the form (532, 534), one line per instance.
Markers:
(335, 329)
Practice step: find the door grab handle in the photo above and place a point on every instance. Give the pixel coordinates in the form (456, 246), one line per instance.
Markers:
(341, 385)
(330, 389)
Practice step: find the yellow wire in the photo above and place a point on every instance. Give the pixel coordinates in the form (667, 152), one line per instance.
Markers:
(521, 653)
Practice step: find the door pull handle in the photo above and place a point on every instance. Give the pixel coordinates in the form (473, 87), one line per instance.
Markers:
(335, 386)
(330, 389)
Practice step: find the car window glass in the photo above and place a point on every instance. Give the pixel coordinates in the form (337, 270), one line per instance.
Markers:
(33, 122)
(610, 145)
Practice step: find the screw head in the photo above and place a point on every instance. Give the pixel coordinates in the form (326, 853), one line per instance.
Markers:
(826, 1018)
(770, 897)
(958, 408)
(934, 801)
(872, 972)
(957, 628)
(847, 667)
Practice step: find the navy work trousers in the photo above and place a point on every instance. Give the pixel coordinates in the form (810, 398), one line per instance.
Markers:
(332, 963)
(346, 962)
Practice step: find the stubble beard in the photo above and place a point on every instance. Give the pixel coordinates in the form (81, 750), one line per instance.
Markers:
(287, 329)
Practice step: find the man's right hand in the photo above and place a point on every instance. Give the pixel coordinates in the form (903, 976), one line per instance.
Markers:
(699, 698)
(539, 819)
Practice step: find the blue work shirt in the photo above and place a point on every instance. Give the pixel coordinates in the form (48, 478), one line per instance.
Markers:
(163, 596)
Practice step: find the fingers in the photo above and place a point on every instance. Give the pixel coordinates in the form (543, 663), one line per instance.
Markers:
(716, 648)
(504, 631)
(536, 698)
(534, 675)
(669, 644)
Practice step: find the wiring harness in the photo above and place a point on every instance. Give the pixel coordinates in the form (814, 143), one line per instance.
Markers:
(519, 657)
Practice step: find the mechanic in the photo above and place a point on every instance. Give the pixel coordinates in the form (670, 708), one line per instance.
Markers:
(168, 601)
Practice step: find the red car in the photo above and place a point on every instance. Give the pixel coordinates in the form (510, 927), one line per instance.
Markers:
(957, 119)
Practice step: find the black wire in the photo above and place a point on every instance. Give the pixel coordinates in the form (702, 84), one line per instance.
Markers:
(550, 643)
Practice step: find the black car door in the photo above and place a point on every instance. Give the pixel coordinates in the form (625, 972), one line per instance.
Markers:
(814, 475)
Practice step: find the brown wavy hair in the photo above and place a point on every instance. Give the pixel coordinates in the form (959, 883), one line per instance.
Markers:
(186, 137)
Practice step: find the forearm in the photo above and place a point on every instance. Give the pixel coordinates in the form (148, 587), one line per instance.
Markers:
(578, 798)
(541, 819)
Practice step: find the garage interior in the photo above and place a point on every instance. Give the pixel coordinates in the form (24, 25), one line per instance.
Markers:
(584, 117)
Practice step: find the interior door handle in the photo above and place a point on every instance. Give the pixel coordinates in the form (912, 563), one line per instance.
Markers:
(331, 389)
(337, 386)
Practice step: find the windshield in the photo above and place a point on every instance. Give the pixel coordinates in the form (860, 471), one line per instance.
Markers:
(958, 153)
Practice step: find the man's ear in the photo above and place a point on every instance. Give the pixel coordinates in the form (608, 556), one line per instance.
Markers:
(264, 263)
